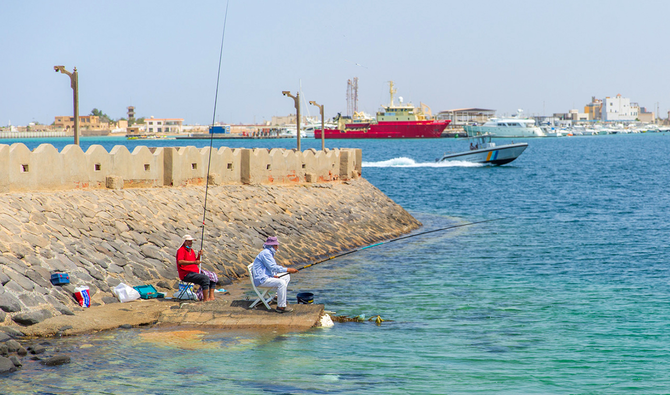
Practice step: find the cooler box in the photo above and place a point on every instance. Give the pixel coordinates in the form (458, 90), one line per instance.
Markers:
(147, 291)
(60, 278)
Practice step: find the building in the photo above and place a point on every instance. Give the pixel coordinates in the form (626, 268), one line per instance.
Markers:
(465, 116)
(287, 120)
(619, 109)
(646, 116)
(164, 125)
(90, 122)
(594, 109)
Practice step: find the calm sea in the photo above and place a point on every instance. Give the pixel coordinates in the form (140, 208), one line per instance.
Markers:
(570, 293)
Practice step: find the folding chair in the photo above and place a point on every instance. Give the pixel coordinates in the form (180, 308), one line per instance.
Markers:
(264, 297)
(183, 288)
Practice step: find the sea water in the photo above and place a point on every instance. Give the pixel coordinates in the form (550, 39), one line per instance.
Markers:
(569, 292)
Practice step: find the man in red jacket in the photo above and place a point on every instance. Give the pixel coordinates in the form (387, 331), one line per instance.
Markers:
(189, 269)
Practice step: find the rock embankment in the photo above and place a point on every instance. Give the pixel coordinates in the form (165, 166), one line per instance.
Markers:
(104, 237)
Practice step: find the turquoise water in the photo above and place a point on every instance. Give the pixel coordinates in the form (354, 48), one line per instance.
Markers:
(569, 294)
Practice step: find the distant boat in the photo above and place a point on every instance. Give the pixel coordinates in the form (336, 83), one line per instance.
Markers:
(393, 121)
(482, 150)
(507, 127)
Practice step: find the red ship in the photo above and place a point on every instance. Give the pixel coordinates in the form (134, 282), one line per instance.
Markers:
(394, 121)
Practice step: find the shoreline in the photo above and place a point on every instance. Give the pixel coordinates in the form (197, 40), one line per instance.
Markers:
(105, 237)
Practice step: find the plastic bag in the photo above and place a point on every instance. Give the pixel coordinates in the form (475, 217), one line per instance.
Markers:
(126, 293)
(83, 297)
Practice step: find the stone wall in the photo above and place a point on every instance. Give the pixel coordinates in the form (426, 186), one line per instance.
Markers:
(47, 169)
(102, 237)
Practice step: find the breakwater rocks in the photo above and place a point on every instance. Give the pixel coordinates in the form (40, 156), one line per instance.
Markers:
(103, 237)
(15, 352)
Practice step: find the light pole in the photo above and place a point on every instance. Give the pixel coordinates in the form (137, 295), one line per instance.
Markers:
(323, 130)
(74, 83)
(296, 99)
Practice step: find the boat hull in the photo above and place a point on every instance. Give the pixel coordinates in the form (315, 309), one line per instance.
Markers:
(494, 156)
(495, 131)
(386, 130)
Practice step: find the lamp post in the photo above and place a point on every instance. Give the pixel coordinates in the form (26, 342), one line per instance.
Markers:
(296, 99)
(323, 130)
(74, 83)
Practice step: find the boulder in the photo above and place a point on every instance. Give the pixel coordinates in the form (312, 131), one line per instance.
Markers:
(4, 337)
(32, 317)
(12, 345)
(39, 276)
(38, 349)
(22, 280)
(56, 360)
(63, 310)
(6, 365)
(12, 332)
(16, 361)
(9, 303)
(109, 299)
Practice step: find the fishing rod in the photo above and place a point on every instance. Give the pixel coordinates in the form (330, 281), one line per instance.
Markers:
(211, 134)
(396, 239)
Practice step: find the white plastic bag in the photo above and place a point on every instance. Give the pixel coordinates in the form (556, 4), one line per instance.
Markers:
(126, 293)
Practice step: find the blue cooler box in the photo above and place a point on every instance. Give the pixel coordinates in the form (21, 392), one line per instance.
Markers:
(60, 278)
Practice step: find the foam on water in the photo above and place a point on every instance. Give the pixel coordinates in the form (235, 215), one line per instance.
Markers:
(409, 162)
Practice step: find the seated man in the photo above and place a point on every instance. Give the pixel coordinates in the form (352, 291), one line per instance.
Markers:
(265, 273)
(189, 269)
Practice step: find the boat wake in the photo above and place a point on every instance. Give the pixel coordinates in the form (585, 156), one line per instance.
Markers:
(408, 162)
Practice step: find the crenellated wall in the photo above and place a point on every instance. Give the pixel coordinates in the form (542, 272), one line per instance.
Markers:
(47, 169)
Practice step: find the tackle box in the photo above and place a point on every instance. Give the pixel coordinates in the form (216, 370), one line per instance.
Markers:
(60, 278)
(147, 291)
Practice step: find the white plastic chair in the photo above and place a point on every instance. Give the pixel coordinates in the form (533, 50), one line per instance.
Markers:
(264, 297)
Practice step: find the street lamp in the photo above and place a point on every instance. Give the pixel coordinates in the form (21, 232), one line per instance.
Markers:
(74, 83)
(296, 99)
(323, 131)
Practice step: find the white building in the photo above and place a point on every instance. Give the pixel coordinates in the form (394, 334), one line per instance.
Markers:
(164, 125)
(619, 109)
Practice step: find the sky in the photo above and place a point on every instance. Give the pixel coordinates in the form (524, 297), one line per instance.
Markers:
(163, 56)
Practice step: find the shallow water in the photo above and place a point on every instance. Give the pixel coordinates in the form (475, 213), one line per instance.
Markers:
(569, 294)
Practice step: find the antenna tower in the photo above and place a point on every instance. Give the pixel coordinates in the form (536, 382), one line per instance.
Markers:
(352, 96)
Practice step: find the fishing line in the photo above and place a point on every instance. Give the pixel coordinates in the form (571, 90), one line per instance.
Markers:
(396, 239)
(211, 134)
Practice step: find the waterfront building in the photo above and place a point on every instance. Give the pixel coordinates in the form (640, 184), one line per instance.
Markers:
(90, 122)
(465, 116)
(646, 116)
(594, 109)
(619, 109)
(164, 125)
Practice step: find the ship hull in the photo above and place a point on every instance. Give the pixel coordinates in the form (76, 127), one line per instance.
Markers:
(388, 130)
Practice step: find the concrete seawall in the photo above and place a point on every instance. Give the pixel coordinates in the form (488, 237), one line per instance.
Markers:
(102, 237)
(44, 168)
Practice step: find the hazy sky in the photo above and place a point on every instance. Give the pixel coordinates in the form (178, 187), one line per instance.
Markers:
(162, 56)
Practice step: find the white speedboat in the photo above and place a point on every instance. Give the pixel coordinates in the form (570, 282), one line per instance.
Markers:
(482, 150)
(507, 127)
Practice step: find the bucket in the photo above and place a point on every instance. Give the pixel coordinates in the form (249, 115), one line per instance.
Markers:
(305, 298)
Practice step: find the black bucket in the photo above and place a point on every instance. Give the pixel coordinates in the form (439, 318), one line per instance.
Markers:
(305, 298)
